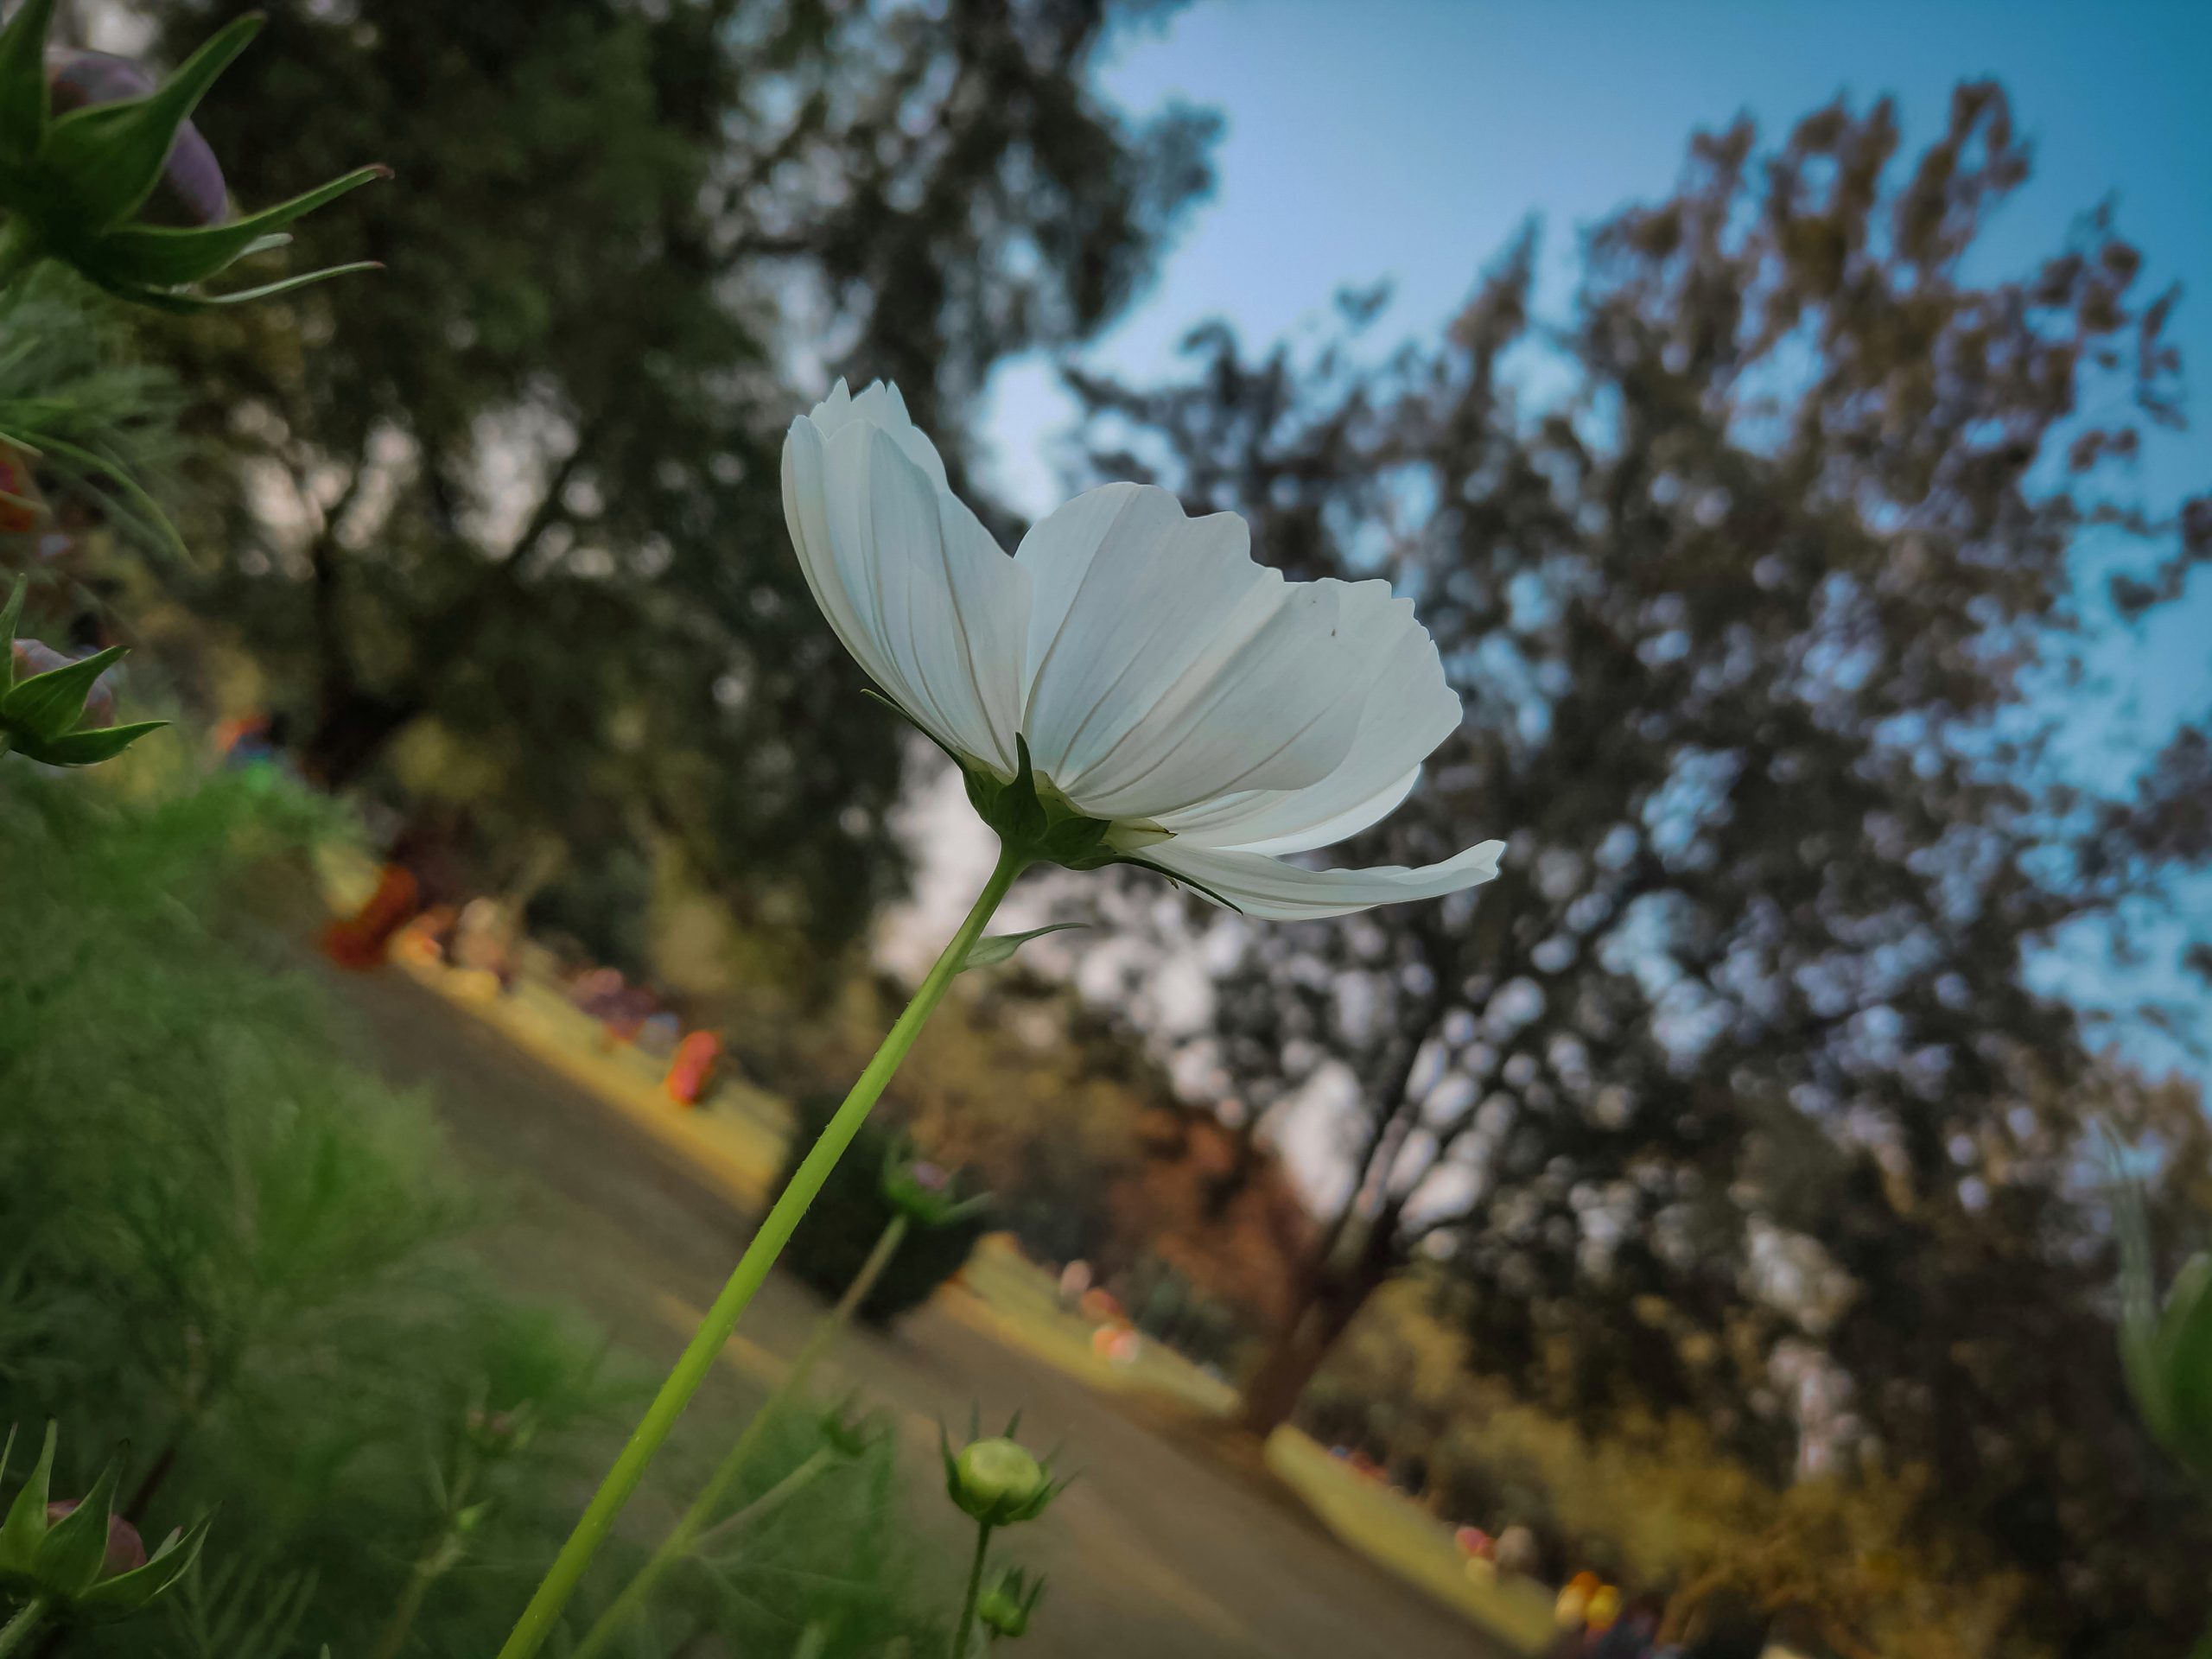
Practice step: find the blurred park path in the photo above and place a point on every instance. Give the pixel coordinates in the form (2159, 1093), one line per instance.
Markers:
(1153, 1551)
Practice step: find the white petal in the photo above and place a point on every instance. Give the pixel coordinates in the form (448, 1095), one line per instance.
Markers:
(910, 582)
(1270, 890)
(881, 405)
(1407, 709)
(1167, 668)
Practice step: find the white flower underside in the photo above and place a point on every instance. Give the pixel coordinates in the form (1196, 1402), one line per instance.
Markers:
(1218, 714)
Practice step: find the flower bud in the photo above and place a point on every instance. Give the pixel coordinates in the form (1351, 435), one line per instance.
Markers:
(32, 656)
(926, 1193)
(53, 708)
(997, 1482)
(94, 140)
(848, 1430)
(191, 191)
(1006, 1606)
(76, 1555)
(126, 1550)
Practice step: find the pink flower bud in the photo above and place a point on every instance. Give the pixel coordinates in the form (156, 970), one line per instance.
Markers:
(192, 190)
(33, 657)
(126, 1550)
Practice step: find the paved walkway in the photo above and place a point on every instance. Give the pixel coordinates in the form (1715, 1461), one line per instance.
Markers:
(1152, 1553)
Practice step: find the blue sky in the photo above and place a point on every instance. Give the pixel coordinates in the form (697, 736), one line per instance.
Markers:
(1408, 139)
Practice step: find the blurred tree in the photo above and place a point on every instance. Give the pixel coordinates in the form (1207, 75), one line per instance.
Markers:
(1743, 1087)
(513, 506)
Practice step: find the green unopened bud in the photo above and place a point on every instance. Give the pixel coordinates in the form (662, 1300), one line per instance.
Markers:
(1006, 1606)
(75, 1555)
(997, 1481)
(495, 1435)
(56, 708)
(926, 1193)
(87, 140)
(848, 1430)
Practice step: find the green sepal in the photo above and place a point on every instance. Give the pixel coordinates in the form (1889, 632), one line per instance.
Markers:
(74, 1548)
(25, 99)
(25, 1527)
(46, 705)
(1076, 844)
(183, 300)
(87, 748)
(110, 155)
(1178, 878)
(163, 257)
(126, 1592)
(1025, 819)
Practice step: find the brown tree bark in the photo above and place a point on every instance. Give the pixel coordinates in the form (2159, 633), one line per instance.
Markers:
(350, 732)
(1333, 1298)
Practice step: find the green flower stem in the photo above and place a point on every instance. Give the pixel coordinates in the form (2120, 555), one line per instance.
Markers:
(403, 1614)
(769, 1501)
(775, 1230)
(687, 1532)
(24, 1626)
(974, 1589)
(430, 1568)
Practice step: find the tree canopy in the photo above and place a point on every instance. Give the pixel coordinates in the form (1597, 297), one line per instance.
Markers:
(503, 522)
(1740, 1090)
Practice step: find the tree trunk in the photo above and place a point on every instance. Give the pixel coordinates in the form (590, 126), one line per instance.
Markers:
(1278, 1383)
(350, 732)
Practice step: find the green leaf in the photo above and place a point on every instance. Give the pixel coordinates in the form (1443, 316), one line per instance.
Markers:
(148, 511)
(986, 953)
(126, 1592)
(46, 705)
(2186, 1363)
(25, 100)
(10, 614)
(75, 1547)
(111, 155)
(89, 747)
(25, 1527)
(161, 256)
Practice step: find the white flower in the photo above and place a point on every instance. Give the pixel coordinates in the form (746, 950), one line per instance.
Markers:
(1214, 715)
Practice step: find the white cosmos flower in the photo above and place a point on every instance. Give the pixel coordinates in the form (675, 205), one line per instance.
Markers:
(1215, 715)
